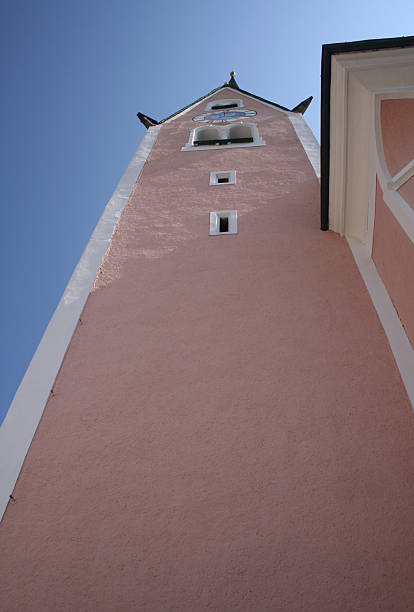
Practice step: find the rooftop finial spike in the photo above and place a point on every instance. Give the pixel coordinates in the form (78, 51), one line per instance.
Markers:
(232, 82)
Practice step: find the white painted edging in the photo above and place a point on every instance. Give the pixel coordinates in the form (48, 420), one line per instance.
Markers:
(399, 343)
(22, 419)
(308, 141)
(397, 338)
(402, 176)
(187, 147)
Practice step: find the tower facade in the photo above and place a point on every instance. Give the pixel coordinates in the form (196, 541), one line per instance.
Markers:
(218, 436)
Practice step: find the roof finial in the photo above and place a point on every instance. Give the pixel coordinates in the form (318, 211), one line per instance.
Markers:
(232, 82)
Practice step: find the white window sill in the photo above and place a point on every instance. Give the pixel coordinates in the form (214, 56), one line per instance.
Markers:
(258, 143)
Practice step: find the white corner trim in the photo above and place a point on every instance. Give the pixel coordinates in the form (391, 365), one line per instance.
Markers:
(402, 176)
(370, 223)
(338, 147)
(382, 59)
(308, 141)
(371, 211)
(400, 345)
(23, 417)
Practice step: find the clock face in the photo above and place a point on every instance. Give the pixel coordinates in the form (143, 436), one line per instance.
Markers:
(224, 115)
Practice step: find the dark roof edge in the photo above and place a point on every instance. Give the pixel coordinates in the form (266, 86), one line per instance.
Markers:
(325, 134)
(147, 121)
(300, 108)
(373, 44)
(195, 102)
(217, 89)
(261, 99)
(328, 50)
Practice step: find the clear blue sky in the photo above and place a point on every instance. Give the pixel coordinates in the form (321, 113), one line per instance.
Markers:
(74, 75)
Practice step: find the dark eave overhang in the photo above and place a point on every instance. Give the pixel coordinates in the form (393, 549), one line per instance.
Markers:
(147, 121)
(300, 108)
(377, 44)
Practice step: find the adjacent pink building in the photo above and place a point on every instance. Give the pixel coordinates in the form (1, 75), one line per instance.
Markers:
(219, 416)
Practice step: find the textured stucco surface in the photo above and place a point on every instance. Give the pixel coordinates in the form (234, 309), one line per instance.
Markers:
(25, 412)
(397, 124)
(228, 430)
(393, 255)
(406, 191)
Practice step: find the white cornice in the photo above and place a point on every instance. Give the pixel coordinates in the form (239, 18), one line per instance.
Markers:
(373, 59)
(358, 80)
(338, 130)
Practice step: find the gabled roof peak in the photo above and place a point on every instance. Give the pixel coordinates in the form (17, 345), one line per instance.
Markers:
(232, 83)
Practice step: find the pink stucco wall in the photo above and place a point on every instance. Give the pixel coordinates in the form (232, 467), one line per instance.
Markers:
(397, 124)
(406, 191)
(393, 254)
(228, 430)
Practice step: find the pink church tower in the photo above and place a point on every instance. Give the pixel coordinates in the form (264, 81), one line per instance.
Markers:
(214, 419)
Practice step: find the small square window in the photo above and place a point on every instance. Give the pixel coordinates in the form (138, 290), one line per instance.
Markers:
(223, 104)
(223, 222)
(226, 177)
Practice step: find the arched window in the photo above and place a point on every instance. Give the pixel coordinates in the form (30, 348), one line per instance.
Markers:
(206, 136)
(240, 133)
(233, 135)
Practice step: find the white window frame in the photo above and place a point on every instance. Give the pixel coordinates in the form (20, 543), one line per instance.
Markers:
(230, 174)
(224, 131)
(215, 222)
(237, 101)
